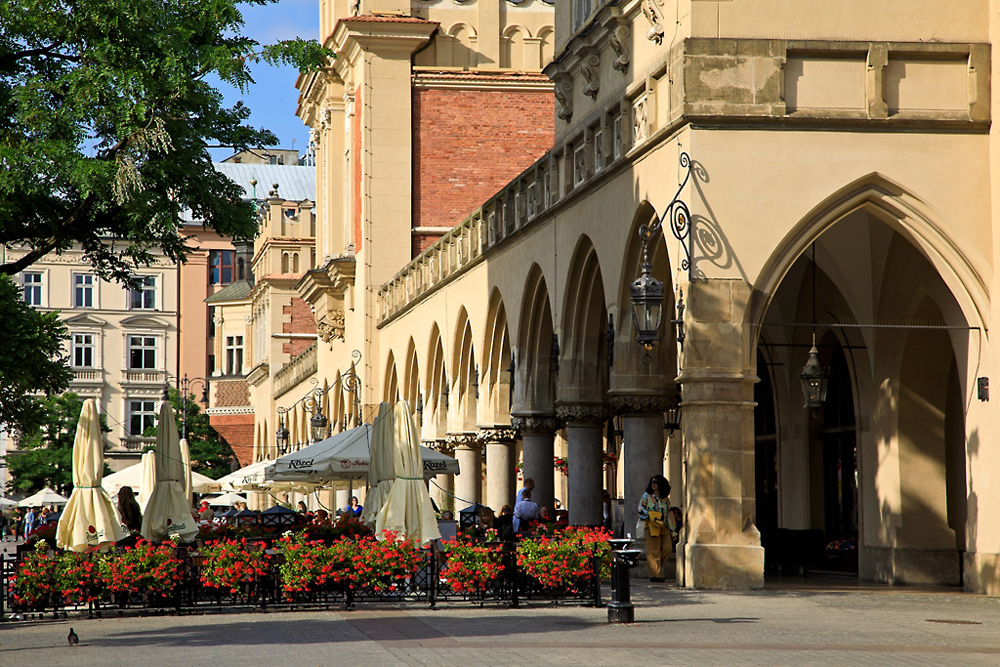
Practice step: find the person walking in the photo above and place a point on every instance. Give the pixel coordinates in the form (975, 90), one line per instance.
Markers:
(529, 485)
(525, 511)
(29, 521)
(654, 511)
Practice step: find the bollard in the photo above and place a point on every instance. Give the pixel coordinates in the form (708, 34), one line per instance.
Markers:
(620, 609)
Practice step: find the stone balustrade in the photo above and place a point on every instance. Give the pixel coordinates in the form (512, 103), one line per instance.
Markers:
(295, 371)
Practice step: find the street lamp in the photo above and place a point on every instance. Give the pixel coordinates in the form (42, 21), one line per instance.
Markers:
(673, 413)
(647, 291)
(184, 385)
(814, 379)
(282, 435)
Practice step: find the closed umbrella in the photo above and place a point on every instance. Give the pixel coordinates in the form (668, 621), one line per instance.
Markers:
(168, 512)
(89, 519)
(407, 509)
(44, 497)
(380, 467)
(186, 459)
(148, 479)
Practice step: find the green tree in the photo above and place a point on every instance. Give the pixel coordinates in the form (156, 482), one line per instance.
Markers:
(105, 120)
(44, 455)
(211, 455)
(31, 359)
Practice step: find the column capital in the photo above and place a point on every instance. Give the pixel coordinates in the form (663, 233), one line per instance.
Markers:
(464, 440)
(626, 404)
(542, 424)
(504, 435)
(583, 413)
(442, 446)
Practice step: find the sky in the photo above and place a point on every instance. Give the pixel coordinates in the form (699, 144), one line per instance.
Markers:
(274, 98)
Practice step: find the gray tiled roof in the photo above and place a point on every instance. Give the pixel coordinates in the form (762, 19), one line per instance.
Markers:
(295, 183)
(232, 292)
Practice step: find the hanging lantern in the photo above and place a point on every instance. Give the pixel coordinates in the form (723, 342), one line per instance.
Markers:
(318, 423)
(281, 438)
(814, 379)
(673, 414)
(647, 308)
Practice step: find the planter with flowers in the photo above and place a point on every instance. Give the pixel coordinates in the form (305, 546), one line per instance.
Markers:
(566, 561)
(310, 566)
(150, 569)
(233, 566)
(471, 568)
(385, 566)
(32, 587)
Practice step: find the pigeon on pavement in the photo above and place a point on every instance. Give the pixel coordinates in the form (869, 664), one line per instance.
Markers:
(73, 639)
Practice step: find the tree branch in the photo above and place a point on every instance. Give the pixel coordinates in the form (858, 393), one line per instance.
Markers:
(49, 50)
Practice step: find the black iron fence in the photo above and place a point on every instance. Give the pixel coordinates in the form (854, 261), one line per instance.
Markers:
(511, 587)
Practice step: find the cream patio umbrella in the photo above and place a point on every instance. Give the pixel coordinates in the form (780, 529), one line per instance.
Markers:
(407, 510)
(147, 480)
(132, 476)
(186, 460)
(380, 466)
(168, 512)
(44, 497)
(89, 519)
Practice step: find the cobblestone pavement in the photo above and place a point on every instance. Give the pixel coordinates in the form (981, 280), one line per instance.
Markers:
(785, 624)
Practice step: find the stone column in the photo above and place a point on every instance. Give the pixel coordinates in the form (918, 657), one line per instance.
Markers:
(642, 447)
(585, 436)
(469, 480)
(537, 433)
(723, 545)
(500, 487)
(442, 487)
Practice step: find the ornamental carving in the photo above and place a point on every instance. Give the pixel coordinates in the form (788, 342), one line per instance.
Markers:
(440, 446)
(639, 404)
(651, 9)
(541, 424)
(590, 67)
(619, 43)
(564, 95)
(331, 326)
(464, 441)
(583, 413)
(503, 436)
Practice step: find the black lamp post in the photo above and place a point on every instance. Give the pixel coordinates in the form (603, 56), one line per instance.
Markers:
(184, 385)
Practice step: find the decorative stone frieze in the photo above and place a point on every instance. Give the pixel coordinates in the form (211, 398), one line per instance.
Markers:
(618, 39)
(651, 9)
(331, 326)
(564, 95)
(590, 67)
(625, 404)
(500, 435)
(593, 413)
(535, 423)
(442, 446)
(464, 441)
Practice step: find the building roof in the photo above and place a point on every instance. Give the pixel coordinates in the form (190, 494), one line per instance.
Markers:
(236, 291)
(295, 182)
(383, 18)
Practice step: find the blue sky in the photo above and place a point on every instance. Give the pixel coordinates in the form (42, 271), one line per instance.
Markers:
(273, 99)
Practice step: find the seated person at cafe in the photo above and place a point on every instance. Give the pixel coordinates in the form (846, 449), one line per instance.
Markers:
(354, 509)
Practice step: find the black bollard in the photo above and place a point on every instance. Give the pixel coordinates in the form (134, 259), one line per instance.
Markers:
(620, 609)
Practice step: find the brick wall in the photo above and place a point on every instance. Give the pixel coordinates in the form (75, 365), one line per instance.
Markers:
(467, 144)
(298, 318)
(232, 394)
(237, 430)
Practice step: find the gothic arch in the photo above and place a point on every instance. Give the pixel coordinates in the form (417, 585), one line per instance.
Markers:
(390, 388)
(535, 374)
(465, 370)
(437, 399)
(584, 328)
(512, 51)
(495, 375)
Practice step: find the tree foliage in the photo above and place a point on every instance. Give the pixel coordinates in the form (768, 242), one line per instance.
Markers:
(105, 121)
(31, 358)
(44, 455)
(211, 455)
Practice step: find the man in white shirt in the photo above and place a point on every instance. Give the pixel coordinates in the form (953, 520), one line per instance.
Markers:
(526, 510)
(529, 485)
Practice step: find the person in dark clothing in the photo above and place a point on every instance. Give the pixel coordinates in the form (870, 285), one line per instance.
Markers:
(129, 510)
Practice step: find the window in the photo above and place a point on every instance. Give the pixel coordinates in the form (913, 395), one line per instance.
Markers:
(141, 416)
(143, 298)
(221, 264)
(598, 151)
(83, 350)
(579, 166)
(32, 282)
(618, 150)
(83, 290)
(581, 10)
(211, 321)
(532, 200)
(234, 355)
(142, 352)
